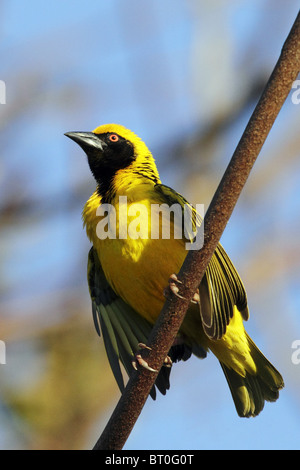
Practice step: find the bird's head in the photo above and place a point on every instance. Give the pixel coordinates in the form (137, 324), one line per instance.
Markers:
(111, 148)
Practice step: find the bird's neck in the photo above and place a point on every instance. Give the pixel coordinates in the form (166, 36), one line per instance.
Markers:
(126, 180)
(135, 188)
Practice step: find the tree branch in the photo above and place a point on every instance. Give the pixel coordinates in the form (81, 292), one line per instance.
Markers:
(165, 330)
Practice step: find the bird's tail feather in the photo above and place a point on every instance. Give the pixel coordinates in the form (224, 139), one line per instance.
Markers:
(250, 392)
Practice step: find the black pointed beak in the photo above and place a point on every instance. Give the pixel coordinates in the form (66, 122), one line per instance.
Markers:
(87, 140)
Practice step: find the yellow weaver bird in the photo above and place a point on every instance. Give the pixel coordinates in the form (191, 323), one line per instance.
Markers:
(127, 275)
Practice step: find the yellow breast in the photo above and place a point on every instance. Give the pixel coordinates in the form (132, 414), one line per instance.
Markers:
(136, 264)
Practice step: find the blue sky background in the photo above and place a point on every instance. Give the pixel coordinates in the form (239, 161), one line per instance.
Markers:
(173, 72)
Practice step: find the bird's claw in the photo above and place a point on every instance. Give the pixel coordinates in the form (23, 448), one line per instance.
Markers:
(196, 297)
(168, 362)
(138, 359)
(174, 289)
(141, 362)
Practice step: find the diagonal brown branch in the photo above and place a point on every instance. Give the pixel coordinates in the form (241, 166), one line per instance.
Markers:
(276, 91)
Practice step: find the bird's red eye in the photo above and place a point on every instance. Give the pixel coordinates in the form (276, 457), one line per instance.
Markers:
(113, 137)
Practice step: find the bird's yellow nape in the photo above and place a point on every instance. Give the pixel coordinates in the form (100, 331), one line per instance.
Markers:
(144, 162)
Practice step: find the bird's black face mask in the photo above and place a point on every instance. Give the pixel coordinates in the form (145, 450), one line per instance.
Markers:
(107, 153)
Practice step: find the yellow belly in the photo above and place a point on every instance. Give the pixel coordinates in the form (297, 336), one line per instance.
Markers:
(138, 270)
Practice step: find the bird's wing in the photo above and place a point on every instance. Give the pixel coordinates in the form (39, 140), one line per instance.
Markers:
(122, 328)
(191, 220)
(221, 287)
(220, 290)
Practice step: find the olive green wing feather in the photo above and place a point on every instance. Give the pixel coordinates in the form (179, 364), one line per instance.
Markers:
(221, 287)
(122, 328)
(190, 218)
(220, 290)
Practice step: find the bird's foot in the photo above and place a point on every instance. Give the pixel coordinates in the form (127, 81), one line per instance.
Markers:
(174, 289)
(141, 362)
(168, 362)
